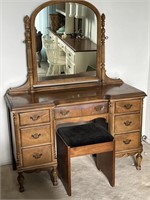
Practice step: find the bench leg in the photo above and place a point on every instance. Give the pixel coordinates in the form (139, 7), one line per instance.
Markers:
(64, 165)
(106, 163)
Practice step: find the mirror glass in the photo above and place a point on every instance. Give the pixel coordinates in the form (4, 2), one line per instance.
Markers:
(66, 41)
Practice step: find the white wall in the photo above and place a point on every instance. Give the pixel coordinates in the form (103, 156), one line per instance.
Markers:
(126, 49)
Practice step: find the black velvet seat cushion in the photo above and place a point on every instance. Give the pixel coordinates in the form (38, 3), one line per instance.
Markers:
(85, 134)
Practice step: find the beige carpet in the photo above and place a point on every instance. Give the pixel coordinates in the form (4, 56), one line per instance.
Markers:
(87, 182)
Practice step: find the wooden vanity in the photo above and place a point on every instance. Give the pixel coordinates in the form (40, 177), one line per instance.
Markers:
(37, 108)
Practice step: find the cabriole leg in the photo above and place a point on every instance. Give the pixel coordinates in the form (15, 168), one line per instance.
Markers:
(138, 161)
(21, 181)
(53, 174)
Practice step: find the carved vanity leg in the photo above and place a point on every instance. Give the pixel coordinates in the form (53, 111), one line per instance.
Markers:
(21, 181)
(53, 175)
(138, 161)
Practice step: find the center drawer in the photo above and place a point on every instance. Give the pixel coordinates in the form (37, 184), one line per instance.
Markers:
(35, 135)
(37, 156)
(29, 118)
(81, 110)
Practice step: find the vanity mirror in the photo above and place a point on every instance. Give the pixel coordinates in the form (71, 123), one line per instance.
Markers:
(63, 34)
(65, 44)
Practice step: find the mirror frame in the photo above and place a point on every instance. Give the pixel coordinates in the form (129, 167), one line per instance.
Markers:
(32, 84)
(66, 80)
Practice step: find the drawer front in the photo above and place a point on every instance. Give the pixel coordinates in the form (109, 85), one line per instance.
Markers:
(70, 55)
(35, 135)
(127, 141)
(36, 117)
(81, 110)
(70, 67)
(37, 156)
(94, 109)
(69, 111)
(128, 106)
(125, 123)
(62, 45)
(52, 36)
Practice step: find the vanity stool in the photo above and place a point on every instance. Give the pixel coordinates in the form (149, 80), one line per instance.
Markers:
(78, 140)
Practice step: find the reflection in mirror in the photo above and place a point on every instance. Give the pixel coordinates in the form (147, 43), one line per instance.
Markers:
(66, 41)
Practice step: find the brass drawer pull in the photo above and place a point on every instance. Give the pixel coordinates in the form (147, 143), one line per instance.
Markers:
(37, 155)
(35, 135)
(99, 108)
(128, 106)
(35, 117)
(127, 123)
(127, 141)
(64, 112)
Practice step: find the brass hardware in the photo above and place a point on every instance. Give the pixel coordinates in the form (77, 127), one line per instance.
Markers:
(127, 141)
(36, 135)
(35, 117)
(128, 106)
(64, 112)
(127, 123)
(37, 155)
(99, 108)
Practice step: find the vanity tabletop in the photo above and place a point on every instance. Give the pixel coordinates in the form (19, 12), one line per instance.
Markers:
(80, 45)
(77, 44)
(72, 96)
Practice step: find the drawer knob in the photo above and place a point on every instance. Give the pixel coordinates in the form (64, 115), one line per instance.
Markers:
(127, 123)
(99, 108)
(37, 155)
(36, 135)
(127, 141)
(34, 117)
(128, 106)
(64, 112)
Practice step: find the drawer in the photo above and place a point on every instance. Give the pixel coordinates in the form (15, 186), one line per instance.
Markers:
(125, 123)
(81, 110)
(127, 106)
(127, 141)
(94, 108)
(70, 55)
(52, 36)
(35, 117)
(62, 45)
(37, 156)
(70, 67)
(35, 135)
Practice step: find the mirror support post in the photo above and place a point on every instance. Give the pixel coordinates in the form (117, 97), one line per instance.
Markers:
(103, 46)
(29, 51)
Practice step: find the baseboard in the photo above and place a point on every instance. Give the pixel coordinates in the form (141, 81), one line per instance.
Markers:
(7, 162)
